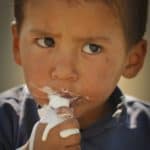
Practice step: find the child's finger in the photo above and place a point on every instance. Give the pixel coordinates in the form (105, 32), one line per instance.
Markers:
(69, 132)
(71, 140)
(75, 147)
(68, 124)
(66, 133)
(38, 136)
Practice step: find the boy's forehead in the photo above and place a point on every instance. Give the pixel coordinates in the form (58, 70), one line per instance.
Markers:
(63, 4)
(55, 18)
(69, 2)
(55, 10)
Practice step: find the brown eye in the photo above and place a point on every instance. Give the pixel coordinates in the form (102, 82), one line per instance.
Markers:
(46, 42)
(92, 48)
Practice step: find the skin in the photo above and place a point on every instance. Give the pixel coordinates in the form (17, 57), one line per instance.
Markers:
(70, 63)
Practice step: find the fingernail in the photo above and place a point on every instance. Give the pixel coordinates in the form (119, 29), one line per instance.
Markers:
(68, 132)
(65, 116)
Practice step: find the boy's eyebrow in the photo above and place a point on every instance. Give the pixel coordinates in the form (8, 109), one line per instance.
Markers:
(92, 38)
(80, 39)
(43, 32)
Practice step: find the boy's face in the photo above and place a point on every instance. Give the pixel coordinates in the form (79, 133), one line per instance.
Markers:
(78, 47)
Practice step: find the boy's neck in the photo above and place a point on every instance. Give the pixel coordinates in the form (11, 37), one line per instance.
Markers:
(93, 115)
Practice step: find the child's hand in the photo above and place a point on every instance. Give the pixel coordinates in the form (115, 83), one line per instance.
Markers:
(54, 140)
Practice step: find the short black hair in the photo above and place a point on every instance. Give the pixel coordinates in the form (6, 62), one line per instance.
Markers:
(133, 15)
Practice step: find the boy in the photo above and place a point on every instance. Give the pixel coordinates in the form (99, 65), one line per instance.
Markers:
(79, 49)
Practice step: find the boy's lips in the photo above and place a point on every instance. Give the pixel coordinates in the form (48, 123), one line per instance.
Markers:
(65, 93)
(72, 98)
(75, 99)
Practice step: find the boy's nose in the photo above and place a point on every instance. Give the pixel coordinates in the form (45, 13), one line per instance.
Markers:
(64, 72)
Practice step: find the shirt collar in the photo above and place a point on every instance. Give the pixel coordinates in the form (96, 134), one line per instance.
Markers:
(108, 121)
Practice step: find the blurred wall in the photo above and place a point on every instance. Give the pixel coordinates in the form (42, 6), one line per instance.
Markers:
(140, 85)
(11, 74)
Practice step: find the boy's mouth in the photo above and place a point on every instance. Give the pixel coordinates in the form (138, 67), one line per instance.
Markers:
(64, 93)
(75, 99)
(70, 96)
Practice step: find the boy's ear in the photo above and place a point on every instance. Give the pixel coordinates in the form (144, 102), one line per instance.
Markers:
(135, 60)
(16, 47)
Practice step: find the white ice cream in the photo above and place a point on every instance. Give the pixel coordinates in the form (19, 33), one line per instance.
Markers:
(51, 117)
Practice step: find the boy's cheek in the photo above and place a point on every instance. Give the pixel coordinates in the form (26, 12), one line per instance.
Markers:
(97, 91)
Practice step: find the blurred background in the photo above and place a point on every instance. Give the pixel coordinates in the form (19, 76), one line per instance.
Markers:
(11, 74)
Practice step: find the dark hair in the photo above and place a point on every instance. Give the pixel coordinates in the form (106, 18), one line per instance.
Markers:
(132, 13)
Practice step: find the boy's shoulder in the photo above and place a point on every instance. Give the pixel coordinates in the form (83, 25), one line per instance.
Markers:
(12, 96)
(136, 112)
(10, 112)
(16, 106)
(14, 92)
(12, 99)
(133, 103)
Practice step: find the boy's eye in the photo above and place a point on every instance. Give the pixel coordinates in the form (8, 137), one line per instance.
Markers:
(92, 48)
(46, 42)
